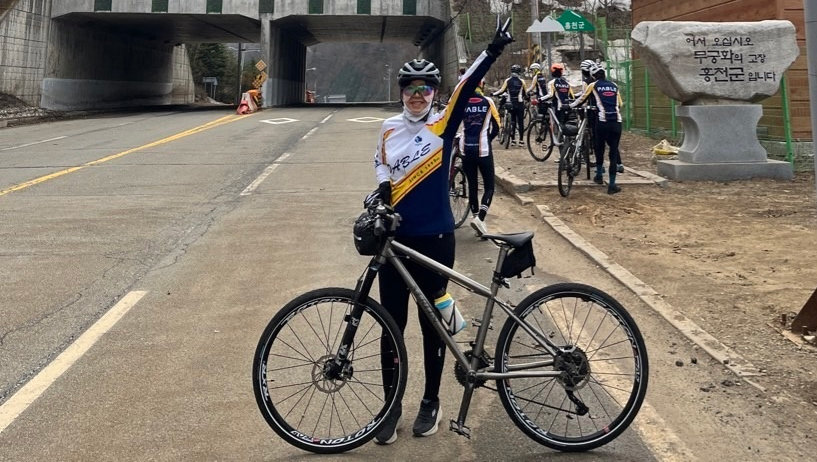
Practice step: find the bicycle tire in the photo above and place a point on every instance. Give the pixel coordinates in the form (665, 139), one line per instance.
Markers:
(539, 129)
(458, 196)
(587, 147)
(565, 174)
(611, 368)
(578, 158)
(503, 132)
(508, 124)
(288, 366)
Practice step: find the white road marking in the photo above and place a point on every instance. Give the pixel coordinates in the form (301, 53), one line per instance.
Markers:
(325, 119)
(278, 121)
(25, 396)
(263, 176)
(33, 143)
(309, 133)
(365, 120)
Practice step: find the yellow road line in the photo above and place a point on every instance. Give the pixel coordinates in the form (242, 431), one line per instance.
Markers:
(215, 123)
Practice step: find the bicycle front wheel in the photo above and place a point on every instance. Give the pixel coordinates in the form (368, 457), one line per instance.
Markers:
(565, 179)
(310, 408)
(458, 196)
(601, 357)
(539, 139)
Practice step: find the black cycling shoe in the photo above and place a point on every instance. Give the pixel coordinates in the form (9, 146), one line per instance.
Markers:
(613, 189)
(598, 179)
(388, 434)
(428, 419)
(620, 168)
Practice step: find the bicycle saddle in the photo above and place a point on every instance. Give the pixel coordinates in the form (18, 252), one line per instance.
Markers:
(515, 240)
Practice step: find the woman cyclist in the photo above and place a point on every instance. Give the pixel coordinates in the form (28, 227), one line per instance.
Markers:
(412, 161)
(480, 127)
(514, 86)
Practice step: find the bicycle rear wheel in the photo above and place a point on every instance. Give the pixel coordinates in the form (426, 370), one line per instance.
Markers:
(602, 359)
(303, 404)
(587, 147)
(565, 179)
(458, 196)
(508, 128)
(539, 139)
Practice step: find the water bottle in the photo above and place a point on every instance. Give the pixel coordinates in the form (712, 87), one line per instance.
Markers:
(450, 315)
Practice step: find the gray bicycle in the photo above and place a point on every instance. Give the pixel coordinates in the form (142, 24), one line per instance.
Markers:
(570, 364)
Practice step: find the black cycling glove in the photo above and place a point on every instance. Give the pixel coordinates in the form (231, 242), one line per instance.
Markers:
(501, 38)
(384, 189)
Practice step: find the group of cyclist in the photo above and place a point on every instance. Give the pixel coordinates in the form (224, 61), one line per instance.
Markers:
(599, 94)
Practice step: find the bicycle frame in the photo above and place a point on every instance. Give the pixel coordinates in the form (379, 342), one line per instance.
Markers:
(393, 252)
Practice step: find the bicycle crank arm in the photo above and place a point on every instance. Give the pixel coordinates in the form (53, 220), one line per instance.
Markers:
(460, 429)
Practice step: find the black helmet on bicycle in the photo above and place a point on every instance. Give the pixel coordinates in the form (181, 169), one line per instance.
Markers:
(419, 69)
(516, 69)
(366, 241)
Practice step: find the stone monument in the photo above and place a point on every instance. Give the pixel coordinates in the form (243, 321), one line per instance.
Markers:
(718, 71)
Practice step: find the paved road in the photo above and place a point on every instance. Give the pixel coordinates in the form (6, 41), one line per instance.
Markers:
(193, 228)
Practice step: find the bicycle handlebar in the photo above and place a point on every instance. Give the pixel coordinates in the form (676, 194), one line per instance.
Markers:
(387, 220)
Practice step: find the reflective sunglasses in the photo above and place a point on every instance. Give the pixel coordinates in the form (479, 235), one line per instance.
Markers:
(411, 90)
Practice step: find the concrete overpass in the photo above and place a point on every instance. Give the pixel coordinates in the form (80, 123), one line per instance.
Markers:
(79, 54)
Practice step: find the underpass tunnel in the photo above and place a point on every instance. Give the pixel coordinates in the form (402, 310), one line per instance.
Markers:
(118, 58)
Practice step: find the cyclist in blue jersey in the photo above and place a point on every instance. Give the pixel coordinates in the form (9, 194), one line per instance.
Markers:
(539, 88)
(514, 86)
(608, 127)
(480, 127)
(558, 91)
(411, 162)
(587, 79)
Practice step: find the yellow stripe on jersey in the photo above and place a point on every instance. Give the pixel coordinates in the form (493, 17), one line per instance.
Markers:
(413, 178)
(383, 145)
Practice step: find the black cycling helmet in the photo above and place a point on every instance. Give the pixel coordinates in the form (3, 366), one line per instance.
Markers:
(516, 69)
(366, 241)
(419, 69)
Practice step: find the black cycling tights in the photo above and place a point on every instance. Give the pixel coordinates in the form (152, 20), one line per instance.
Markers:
(485, 165)
(518, 114)
(394, 297)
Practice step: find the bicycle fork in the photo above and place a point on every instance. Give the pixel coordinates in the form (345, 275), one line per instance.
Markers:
(336, 368)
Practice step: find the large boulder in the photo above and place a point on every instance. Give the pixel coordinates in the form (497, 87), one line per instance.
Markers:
(716, 62)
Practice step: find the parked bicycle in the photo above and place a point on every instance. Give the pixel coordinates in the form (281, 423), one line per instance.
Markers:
(570, 364)
(543, 132)
(458, 186)
(575, 150)
(507, 125)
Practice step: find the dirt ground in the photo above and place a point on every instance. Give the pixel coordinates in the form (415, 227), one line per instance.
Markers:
(734, 257)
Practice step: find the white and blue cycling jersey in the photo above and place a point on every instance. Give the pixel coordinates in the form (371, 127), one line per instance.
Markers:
(415, 158)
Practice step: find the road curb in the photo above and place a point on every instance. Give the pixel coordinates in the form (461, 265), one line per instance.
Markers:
(712, 346)
(720, 352)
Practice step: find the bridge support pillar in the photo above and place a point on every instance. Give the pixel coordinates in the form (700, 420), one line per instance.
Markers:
(286, 81)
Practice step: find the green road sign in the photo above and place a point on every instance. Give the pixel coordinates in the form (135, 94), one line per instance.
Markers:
(574, 22)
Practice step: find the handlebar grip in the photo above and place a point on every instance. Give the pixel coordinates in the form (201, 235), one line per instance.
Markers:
(379, 229)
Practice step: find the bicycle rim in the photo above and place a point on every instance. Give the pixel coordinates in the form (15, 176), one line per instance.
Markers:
(577, 163)
(508, 131)
(539, 141)
(458, 196)
(565, 179)
(308, 409)
(604, 366)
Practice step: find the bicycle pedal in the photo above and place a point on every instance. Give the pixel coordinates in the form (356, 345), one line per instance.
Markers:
(478, 322)
(461, 430)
